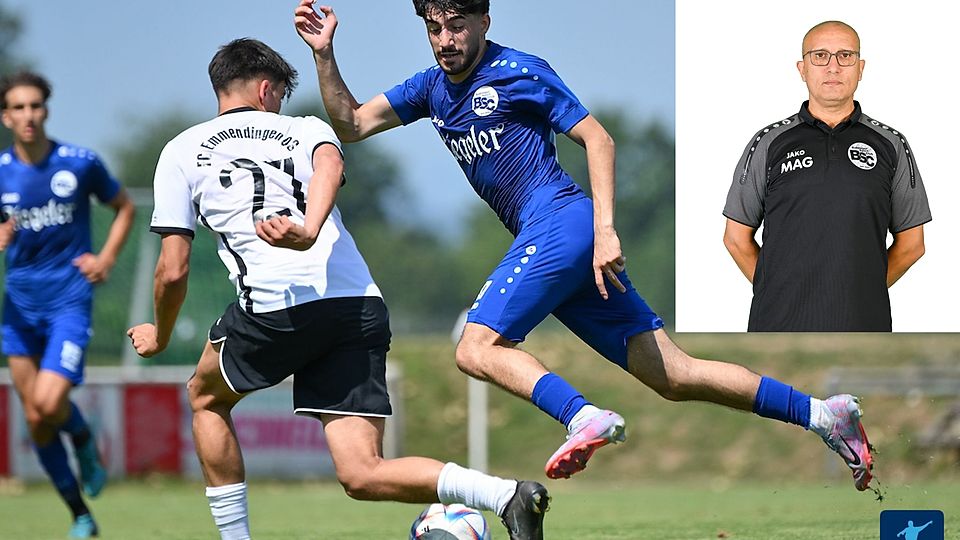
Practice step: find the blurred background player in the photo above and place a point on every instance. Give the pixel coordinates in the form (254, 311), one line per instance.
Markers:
(307, 306)
(45, 187)
(497, 109)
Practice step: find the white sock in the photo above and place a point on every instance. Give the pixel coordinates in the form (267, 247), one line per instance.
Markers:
(585, 412)
(228, 504)
(821, 418)
(474, 489)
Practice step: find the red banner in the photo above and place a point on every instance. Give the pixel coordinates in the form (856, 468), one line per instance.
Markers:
(151, 425)
(4, 431)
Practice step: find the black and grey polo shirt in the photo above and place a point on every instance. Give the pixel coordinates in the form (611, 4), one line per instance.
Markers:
(826, 198)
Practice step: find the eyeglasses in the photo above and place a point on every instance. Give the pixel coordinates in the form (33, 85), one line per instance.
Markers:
(821, 57)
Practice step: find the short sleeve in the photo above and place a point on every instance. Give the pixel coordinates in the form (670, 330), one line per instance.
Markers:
(745, 200)
(173, 208)
(410, 99)
(537, 88)
(316, 132)
(908, 197)
(102, 185)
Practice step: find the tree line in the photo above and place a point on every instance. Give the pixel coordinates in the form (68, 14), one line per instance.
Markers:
(427, 291)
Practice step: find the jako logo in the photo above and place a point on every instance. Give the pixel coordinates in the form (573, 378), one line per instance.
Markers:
(485, 101)
(796, 160)
(862, 155)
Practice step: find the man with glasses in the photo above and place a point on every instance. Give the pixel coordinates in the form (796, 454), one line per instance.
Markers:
(827, 184)
(497, 110)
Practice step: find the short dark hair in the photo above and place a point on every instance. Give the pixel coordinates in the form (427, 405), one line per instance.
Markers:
(23, 78)
(246, 58)
(461, 7)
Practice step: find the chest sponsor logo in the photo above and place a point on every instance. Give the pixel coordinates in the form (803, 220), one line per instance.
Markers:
(63, 184)
(862, 155)
(475, 143)
(795, 160)
(40, 217)
(10, 198)
(485, 101)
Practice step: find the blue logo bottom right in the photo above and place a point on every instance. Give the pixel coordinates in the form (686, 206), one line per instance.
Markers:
(911, 525)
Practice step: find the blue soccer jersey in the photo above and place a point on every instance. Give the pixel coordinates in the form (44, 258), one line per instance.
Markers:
(50, 202)
(499, 124)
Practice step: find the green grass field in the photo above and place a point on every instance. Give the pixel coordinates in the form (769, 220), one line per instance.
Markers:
(581, 509)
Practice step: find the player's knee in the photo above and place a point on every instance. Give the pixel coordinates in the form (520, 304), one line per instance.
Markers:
(668, 378)
(358, 481)
(672, 390)
(199, 395)
(469, 356)
(48, 411)
(677, 384)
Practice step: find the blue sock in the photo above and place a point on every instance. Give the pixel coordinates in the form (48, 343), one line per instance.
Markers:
(781, 402)
(76, 426)
(53, 458)
(556, 397)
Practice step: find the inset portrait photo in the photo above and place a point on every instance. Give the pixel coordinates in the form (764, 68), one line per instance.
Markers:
(816, 183)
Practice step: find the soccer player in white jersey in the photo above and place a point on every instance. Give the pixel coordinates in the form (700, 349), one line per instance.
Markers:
(265, 184)
(497, 110)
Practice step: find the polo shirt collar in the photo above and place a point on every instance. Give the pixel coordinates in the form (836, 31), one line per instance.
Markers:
(808, 118)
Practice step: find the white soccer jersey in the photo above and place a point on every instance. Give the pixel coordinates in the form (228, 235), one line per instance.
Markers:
(222, 171)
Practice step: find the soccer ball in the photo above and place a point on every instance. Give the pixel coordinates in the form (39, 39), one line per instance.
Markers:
(449, 522)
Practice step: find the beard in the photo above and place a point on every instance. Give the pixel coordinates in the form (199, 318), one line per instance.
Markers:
(461, 63)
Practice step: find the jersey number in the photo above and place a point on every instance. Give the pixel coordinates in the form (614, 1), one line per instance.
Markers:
(259, 180)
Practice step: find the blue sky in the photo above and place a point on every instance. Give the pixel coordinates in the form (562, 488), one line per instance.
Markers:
(113, 63)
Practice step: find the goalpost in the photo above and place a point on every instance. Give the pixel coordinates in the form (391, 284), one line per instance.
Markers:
(477, 398)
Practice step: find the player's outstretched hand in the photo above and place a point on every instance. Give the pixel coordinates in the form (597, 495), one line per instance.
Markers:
(144, 339)
(93, 267)
(315, 30)
(281, 232)
(608, 261)
(6, 233)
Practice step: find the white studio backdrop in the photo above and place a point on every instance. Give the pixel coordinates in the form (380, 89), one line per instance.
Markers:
(736, 73)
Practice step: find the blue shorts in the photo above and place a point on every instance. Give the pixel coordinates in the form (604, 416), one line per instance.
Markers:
(59, 338)
(549, 269)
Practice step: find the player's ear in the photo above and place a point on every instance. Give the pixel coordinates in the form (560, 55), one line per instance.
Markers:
(263, 91)
(800, 69)
(7, 123)
(485, 20)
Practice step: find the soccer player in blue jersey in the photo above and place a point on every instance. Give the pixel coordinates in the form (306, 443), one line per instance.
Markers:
(310, 310)
(497, 109)
(45, 189)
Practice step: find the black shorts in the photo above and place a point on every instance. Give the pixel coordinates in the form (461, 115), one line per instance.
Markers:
(336, 350)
